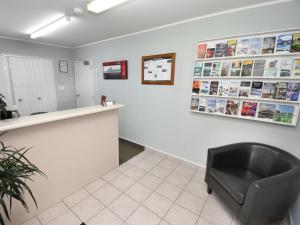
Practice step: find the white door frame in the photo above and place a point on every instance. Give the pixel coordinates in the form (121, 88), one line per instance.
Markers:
(90, 88)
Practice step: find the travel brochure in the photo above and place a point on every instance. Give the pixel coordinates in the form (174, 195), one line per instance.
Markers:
(268, 44)
(261, 83)
(270, 112)
(287, 91)
(270, 67)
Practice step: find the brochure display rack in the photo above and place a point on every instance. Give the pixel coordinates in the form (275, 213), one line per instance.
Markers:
(253, 77)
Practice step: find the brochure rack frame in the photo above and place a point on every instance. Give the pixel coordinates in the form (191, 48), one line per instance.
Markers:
(296, 55)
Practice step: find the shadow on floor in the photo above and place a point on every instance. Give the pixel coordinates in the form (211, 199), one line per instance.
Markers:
(128, 150)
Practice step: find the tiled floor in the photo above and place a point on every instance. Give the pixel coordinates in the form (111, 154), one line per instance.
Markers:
(149, 189)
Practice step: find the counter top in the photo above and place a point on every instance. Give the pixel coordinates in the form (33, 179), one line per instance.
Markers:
(27, 121)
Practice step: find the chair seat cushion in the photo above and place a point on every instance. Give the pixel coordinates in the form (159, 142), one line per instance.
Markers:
(235, 181)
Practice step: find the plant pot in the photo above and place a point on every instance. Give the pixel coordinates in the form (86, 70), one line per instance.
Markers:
(7, 115)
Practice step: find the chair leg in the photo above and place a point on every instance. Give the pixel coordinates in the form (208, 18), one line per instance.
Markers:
(209, 190)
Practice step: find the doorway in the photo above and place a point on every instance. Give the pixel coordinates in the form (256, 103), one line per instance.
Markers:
(84, 82)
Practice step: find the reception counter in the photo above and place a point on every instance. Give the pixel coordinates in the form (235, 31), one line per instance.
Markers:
(72, 147)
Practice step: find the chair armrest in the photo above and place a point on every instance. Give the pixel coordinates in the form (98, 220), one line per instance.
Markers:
(233, 155)
(271, 196)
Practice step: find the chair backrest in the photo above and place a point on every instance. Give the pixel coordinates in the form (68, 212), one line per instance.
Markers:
(268, 161)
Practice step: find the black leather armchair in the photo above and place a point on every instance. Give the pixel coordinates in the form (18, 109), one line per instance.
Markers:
(257, 181)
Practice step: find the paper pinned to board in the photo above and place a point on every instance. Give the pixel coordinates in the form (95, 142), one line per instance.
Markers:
(157, 69)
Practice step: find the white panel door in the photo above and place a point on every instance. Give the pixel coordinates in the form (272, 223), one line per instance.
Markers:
(5, 87)
(21, 75)
(35, 73)
(84, 85)
(47, 80)
(33, 85)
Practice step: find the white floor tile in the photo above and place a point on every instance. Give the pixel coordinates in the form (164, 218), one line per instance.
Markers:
(138, 192)
(216, 212)
(94, 186)
(136, 160)
(68, 218)
(169, 179)
(185, 171)
(164, 223)
(160, 154)
(51, 213)
(178, 179)
(123, 206)
(199, 176)
(146, 165)
(198, 189)
(160, 172)
(76, 197)
(122, 182)
(146, 153)
(169, 190)
(33, 221)
(124, 167)
(191, 202)
(105, 217)
(174, 159)
(135, 173)
(158, 204)
(179, 216)
(155, 159)
(111, 175)
(87, 208)
(143, 216)
(168, 164)
(150, 181)
(202, 221)
(107, 194)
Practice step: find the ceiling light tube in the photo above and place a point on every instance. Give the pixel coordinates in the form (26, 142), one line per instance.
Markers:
(51, 27)
(98, 6)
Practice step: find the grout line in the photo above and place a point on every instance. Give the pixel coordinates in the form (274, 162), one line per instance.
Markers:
(152, 191)
(63, 200)
(179, 196)
(38, 219)
(140, 204)
(202, 211)
(124, 192)
(51, 207)
(155, 191)
(77, 215)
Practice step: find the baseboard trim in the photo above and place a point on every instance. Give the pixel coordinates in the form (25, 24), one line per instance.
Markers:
(164, 152)
(185, 160)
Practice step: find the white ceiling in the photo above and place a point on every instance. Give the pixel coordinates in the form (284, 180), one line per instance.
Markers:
(18, 17)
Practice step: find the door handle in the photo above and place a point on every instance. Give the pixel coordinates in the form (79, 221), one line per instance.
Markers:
(77, 95)
(39, 98)
(20, 99)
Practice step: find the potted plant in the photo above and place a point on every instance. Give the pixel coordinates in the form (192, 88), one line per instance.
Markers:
(15, 171)
(4, 113)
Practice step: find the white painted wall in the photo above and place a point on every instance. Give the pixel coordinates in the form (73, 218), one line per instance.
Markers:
(159, 116)
(66, 98)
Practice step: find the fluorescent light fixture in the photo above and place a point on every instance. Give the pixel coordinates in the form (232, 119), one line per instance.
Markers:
(51, 27)
(98, 6)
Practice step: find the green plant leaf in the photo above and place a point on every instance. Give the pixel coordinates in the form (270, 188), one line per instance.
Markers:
(4, 207)
(15, 171)
(1, 220)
